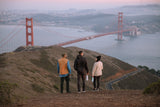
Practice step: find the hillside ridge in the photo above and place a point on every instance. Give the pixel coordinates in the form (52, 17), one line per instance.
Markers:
(34, 69)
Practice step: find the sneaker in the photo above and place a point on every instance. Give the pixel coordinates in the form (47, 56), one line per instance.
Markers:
(83, 91)
(79, 91)
(94, 89)
(97, 89)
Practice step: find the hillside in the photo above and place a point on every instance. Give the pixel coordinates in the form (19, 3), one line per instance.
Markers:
(35, 71)
(137, 82)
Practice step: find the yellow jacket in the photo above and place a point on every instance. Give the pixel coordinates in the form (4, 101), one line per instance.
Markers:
(63, 66)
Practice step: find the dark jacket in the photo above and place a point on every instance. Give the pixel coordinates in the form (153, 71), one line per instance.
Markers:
(80, 65)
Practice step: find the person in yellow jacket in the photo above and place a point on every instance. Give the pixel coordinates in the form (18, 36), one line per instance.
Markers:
(64, 71)
(97, 72)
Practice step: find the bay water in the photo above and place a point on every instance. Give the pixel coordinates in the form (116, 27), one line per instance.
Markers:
(140, 50)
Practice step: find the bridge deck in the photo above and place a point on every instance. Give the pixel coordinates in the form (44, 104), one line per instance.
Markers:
(90, 37)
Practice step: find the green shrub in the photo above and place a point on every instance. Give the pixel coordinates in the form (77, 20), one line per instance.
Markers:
(145, 67)
(56, 87)
(153, 71)
(153, 88)
(7, 92)
(37, 88)
(139, 66)
(2, 61)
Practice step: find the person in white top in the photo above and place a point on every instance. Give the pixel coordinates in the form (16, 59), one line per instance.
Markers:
(97, 72)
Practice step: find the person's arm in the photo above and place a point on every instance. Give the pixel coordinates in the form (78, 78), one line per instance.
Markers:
(75, 64)
(93, 69)
(58, 67)
(102, 66)
(86, 66)
(69, 68)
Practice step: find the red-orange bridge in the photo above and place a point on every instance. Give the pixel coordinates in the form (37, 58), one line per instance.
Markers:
(29, 42)
(30, 37)
(92, 37)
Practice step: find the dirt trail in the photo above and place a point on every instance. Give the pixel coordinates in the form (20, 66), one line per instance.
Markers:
(130, 98)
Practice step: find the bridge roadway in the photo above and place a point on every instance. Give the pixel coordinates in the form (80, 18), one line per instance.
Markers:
(91, 37)
(109, 84)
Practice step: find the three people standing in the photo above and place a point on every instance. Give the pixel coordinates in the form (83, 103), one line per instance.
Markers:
(80, 65)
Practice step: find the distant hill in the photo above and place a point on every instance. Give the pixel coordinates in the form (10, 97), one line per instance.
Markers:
(152, 9)
(155, 6)
(145, 17)
(137, 82)
(34, 70)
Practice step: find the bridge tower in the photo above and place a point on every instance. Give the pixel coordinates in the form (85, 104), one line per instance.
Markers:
(120, 25)
(29, 32)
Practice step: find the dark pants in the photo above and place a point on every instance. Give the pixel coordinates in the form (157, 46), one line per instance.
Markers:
(79, 76)
(67, 83)
(96, 79)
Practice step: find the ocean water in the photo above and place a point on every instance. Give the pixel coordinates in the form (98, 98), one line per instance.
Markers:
(141, 50)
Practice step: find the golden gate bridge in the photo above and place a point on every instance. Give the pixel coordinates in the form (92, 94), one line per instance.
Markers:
(30, 37)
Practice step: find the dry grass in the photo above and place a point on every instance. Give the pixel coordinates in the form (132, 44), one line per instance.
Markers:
(2, 61)
(119, 98)
(40, 67)
(43, 62)
(37, 88)
(137, 81)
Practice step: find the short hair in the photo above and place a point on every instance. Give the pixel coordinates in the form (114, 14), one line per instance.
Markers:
(64, 54)
(98, 57)
(80, 52)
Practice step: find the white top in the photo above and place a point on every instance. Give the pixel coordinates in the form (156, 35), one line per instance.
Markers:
(97, 69)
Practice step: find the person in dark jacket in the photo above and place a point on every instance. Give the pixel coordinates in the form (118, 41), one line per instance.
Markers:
(80, 65)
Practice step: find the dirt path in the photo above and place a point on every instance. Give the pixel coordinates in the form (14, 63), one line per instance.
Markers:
(106, 98)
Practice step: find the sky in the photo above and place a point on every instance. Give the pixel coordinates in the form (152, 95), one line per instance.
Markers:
(67, 4)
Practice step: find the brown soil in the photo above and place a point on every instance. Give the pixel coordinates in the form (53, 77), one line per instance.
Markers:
(116, 98)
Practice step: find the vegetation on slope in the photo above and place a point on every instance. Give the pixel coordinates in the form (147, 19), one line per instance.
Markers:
(153, 88)
(137, 81)
(35, 71)
(7, 95)
(153, 71)
(2, 61)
